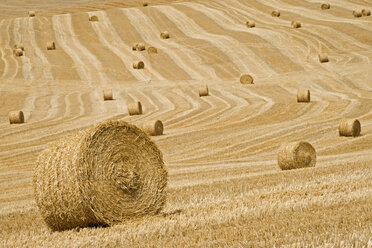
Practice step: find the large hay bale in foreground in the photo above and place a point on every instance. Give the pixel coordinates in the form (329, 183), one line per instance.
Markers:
(295, 24)
(349, 127)
(203, 90)
(366, 12)
(93, 18)
(303, 95)
(139, 65)
(250, 24)
(323, 58)
(357, 13)
(107, 95)
(100, 176)
(246, 79)
(135, 108)
(325, 6)
(164, 35)
(31, 13)
(140, 46)
(153, 128)
(152, 50)
(296, 155)
(51, 45)
(16, 117)
(18, 52)
(275, 13)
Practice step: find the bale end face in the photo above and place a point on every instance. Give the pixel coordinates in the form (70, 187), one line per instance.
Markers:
(303, 95)
(246, 79)
(295, 24)
(107, 95)
(296, 155)
(325, 6)
(251, 24)
(323, 58)
(135, 108)
(93, 18)
(366, 12)
(153, 128)
(139, 65)
(31, 13)
(16, 117)
(164, 35)
(275, 13)
(203, 91)
(349, 127)
(51, 45)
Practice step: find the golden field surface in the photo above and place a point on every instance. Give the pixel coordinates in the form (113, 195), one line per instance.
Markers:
(225, 188)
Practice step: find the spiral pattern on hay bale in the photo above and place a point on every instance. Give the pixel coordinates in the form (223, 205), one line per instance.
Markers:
(164, 35)
(203, 90)
(153, 128)
(296, 155)
(138, 65)
(152, 50)
(18, 52)
(275, 13)
(323, 58)
(93, 18)
(107, 95)
(16, 117)
(295, 24)
(303, 95)
(51, 45)
(99, 176)
(357, 13)
(246, 79)
(325, 6)
(250, 24)
(349, 127)
(31, 13)
(135, 108)
(366, 12)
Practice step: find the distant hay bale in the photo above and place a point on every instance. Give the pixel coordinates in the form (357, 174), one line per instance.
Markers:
(16, 117)
(296, 155)
(303, 95)
(295, 24)
(134, 47)
(246, 79)
(357, 13)
(93, 18)
(18, 52)
(203, 90)
(140, 46)
(325, 6)
(152, 50)
(138, 65)
(323, 58)
(51, 45)
(349, 127)
(20, 46)
(135, 108)
(103, 175)
(366, 12)
(145, 4)
(153, 128)
(107, 95)
(275, 13)
(250, 24)
(164, 35)
(31, 13)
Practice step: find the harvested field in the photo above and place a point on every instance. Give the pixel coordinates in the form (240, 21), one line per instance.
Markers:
(225, 188)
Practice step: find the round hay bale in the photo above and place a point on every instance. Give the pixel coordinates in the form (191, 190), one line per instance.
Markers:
(135, 108)
(275, 13)
(325, 6)
(100, 176)
(251, 24)
(18, 52)
(145, 4)
(138, 65)
(246, 79)
(140, 46)
(16, 117)
(107, 95)
(20, 46)
(153, 128)
(349, 127)
(366, 12)
(93, 18)
(295, 24)
(152, 50)
(164, 35)
(323, 58)
(357, 13)
(134, 47)
(296, 155)
(203, 90)
(51, 45)
(303, 95)
(31, 13)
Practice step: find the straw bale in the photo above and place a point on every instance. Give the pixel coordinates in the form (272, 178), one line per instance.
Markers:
(140, 46)
(18, 52)
(164, 35)
(107, 95)
(93, 18)
(51, 45)
(366, 12)
(138, 65)
(250, 24)
(303, 95)
(323, 58)
(275, 13)
(103, 175)
(325, 6)
(16, 117)
(145, 4)
(152, 50)
(135, 108)
(349, 127)
(203, 90)
(357, 13)
(31, 13)
(296, 155)
(246, 79)
(295, 24)
(153, 128)
(20, 46)
(134, 47)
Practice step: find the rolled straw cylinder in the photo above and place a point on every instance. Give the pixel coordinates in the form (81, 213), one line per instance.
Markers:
(18, 52)
(145, 4)
(325, 6)
(203, 90)
(323, 58)
(138, 65)
(16, 117)
(357, 13)
(296, 155)
(246, 79)
(349, 127)
(140, 46)
(164, 35)
(275, 13)
(295, 24)
(134, 47)
(366, 12)
(107, 95)
(250, 24)
(303, 95)
(93, 18)
(152, 50)
(103, 175)
(20, 46)
(51, 45)
(31, 13)
(135, 108)
(153, 128)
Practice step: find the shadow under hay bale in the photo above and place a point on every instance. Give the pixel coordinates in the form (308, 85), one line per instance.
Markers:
(250, 24)
(135, 108)
(303, 95)
(31, 13)
(296, 155)
(246, 79)
(349, 127)
(100, 176)
(153, 128)
(16, 117)
(93, 18)
(138, 65)
(18, 52)
(325, 6)
(366, 12)
(107, 95)
(295, 24)
(357, 13)
(323, 58)
(275, 13)
(164, 35)
(51, 45)
(203, 90)
(152, 50)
